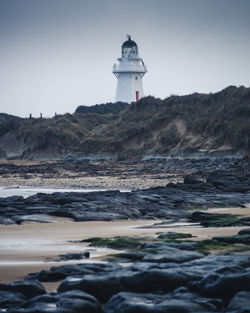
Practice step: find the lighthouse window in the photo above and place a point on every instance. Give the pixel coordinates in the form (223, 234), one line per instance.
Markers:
(129, 52)
(136, 77)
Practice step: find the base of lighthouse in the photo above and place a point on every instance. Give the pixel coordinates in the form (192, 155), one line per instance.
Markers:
(129, 87)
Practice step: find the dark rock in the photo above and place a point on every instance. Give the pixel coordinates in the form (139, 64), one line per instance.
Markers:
(158, 247)
(127, 302)
(191, 179)
(129, 256)
(176, 256)
(29, 288)
(161, 202)
(213, 264)
(38, 218)
(225, 286)
(102, 286)
(243, 239)
(190, 246)
(244, 231)
(228, 182)
(183, 293)
(57, 273)
(74, 256)
(7, 221)
(73, 301)
(47, 276)
(153, 280)
(215, 219)
(245, 221)
(10, 299)
(162, 247)
(139, 266)
(173, 235)
(240, 303)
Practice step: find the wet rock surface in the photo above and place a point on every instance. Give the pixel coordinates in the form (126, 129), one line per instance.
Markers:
(207, 283)
(169, 274)
(218, 219)
(27, 288)
(144, 303)
(60, 272)
(171, 201)
(155, 166)
(73, 301)
(240, 303)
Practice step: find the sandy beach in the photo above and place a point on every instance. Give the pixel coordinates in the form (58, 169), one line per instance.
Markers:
(32, 247)
(115, 177)
(25, 248)
(98, 182)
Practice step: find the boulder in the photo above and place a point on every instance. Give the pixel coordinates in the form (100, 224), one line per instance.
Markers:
(73, 301)
(127, 302)
(11, 299)
(153, 280)
(240, 303)
(244, 231)
(243, 239)
(183, 293)
(191, 179)
(228, 182)
(28, 288)
(225, 286)
(177, 256)
(102, 286)
(56, 273)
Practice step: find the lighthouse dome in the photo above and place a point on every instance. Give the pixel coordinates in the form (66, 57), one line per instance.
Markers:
(129, 43)
(129, 49)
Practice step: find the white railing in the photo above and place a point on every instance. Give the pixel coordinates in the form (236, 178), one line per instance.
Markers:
(138, 68)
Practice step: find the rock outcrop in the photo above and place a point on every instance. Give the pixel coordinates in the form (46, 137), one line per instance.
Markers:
(169, 202)
(205, 283)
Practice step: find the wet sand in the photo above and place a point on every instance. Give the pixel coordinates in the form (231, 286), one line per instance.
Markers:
(25, 248)
(31, 247)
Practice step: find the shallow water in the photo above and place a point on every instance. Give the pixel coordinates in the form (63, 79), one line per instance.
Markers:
(26, 192)
(20, 251)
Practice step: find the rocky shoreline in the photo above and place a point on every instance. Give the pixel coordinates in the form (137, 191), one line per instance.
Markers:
(112, 175)
(167, 274)
(171, 273)
(170, 202)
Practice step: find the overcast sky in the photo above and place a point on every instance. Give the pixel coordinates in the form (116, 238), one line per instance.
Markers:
(58, 54)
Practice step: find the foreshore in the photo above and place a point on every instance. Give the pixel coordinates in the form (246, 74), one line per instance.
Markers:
(32, 247)
(162, 241)
(95, 175)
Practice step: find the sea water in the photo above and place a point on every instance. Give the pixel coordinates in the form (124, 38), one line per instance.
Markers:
(26, 192)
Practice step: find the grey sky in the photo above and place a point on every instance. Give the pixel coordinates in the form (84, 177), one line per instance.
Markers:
(58, 54)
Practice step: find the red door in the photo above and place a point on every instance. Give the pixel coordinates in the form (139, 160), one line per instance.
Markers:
(137, 95)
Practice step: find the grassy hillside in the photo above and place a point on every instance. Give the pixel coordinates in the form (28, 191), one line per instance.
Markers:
(149, 126)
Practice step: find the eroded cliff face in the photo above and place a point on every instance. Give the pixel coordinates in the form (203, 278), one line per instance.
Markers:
(197, 124)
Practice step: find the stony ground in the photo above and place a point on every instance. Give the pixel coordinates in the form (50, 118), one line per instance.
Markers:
(168, 274)
(110, 175)
(170, 202)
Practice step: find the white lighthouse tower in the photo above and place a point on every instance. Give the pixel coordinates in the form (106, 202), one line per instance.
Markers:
(129, 73)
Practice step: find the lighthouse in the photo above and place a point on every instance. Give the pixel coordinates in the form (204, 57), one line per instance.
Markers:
(129, 72)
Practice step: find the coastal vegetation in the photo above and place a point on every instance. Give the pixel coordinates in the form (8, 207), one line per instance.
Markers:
(151, 126)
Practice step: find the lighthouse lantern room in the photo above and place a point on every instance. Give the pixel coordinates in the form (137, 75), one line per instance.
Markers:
(129, 72)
